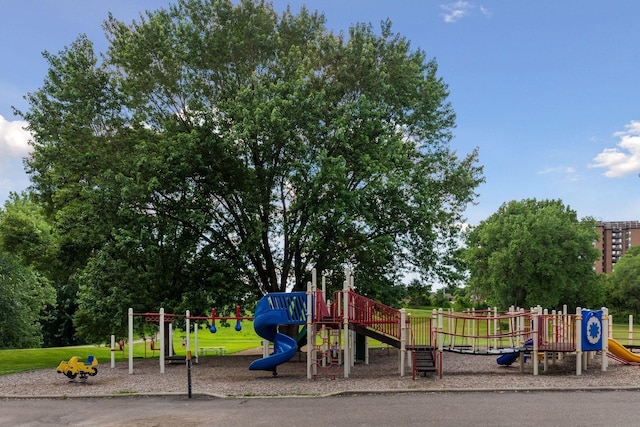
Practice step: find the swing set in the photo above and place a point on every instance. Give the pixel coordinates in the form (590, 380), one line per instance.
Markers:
(158, 343)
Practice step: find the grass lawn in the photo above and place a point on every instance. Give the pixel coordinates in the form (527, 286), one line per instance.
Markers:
(14, 361)
(42, 358)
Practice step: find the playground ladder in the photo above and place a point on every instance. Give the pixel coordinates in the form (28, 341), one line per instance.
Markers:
(423, 360)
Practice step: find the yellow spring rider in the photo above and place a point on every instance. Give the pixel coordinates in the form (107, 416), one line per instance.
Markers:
(75, 367)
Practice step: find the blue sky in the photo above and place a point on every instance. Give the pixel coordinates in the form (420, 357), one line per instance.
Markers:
(547, 90)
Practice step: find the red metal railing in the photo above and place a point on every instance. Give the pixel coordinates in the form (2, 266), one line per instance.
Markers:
(421, 330)
(374, 315)
(321, 312)
(557, 332)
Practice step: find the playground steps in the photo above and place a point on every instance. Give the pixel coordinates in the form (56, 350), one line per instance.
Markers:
(423, 360)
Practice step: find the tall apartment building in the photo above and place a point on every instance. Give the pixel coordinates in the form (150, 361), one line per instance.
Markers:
(615, 240)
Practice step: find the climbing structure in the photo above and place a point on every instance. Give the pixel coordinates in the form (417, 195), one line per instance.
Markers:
(328, 327)
(333, 331)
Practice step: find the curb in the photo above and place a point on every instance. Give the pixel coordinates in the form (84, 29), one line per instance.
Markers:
(328, 395)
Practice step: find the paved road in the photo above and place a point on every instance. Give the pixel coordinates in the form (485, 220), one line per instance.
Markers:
(602, 408)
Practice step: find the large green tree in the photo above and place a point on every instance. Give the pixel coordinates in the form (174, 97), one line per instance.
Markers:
(534, 252)
(226, 147)
(625, 280)
(27, 234)
(26, 295)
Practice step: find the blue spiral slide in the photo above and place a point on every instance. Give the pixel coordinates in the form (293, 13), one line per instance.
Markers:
(509, 358)
(278, 309)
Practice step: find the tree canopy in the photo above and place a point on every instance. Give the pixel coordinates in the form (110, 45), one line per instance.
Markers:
(532, 253)
(626, 281)
(221, 150)
(26, 294)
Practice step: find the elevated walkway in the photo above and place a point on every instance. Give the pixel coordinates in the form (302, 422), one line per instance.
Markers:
(421, 339)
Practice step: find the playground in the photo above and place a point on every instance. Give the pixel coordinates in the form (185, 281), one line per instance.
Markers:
(335, 334)
(552, 349)
(228, 376)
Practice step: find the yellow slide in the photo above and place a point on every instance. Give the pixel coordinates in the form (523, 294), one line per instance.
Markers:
(622, 352)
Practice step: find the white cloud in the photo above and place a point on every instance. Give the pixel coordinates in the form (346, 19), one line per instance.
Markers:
(456, 11)
(486, 12)
(14, 140)
(569, 172)
(625, 158)
(546, 171)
